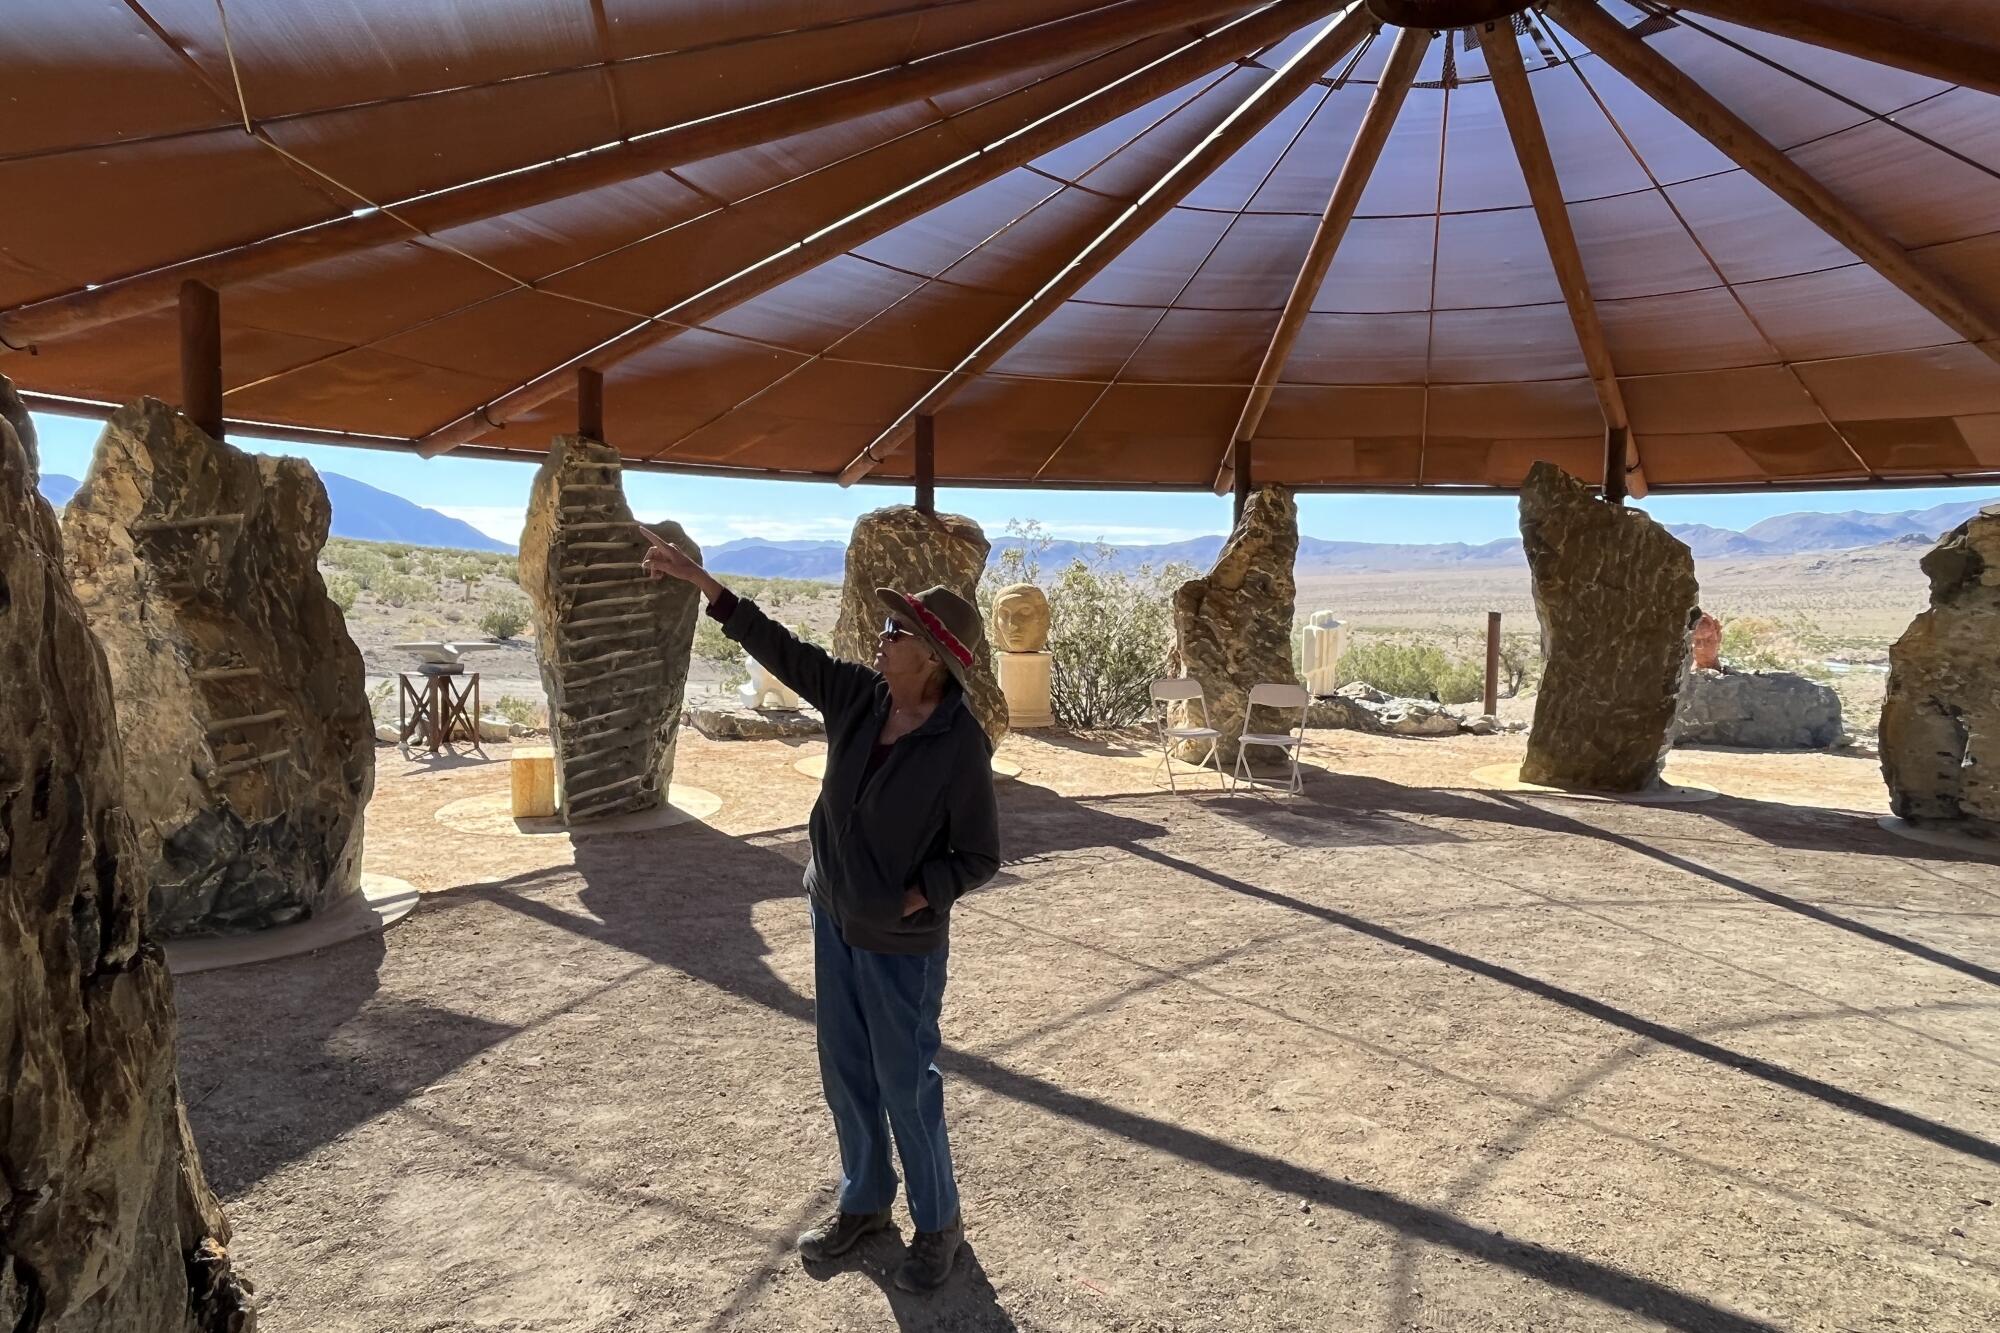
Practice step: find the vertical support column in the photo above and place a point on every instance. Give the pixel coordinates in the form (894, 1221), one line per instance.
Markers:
(1243, 482)
(1492, 663)
(1616, 439)
(926, 464)
(201, 356)
(590, 402)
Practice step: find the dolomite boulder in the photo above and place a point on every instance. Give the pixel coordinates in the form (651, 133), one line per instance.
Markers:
(1757, 710)
(1941, 719)
(242, 707)
(106, 1222)
(1615, 593)
(614, 645)
(903, 548)
(1233, 626)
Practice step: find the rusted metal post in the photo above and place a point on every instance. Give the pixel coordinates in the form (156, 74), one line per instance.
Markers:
(926, 463)
(1243, 483)
(590, 402)
(201, 356)
(1492, 663)
(1616, 438)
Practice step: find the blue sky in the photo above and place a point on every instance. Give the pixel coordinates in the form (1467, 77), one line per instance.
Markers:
(492, 495)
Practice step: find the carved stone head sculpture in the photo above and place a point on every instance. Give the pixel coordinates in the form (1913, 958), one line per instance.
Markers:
(1021, 619)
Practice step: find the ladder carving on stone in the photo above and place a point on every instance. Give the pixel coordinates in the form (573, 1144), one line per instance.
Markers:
(607, 658)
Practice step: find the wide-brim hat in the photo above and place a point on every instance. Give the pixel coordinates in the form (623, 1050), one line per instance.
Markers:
(943, 619)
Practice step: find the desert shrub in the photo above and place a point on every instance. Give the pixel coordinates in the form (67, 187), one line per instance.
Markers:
(343, 590)
(1412, 670)
(1110, 634)
(382, 701)
(1757, 643)
(505, 618)
(713, 646)
(403, 589)
(522, 712)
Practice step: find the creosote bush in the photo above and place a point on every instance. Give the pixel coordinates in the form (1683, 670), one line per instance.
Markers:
(1412, 671)
(505, 618)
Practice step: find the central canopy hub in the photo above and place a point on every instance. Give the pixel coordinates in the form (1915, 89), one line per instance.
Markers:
(1440, 14)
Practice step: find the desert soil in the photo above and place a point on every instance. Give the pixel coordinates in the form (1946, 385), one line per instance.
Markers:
(1398, 1054)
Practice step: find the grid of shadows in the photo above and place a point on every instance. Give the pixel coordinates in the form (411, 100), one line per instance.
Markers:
(1840, 1098)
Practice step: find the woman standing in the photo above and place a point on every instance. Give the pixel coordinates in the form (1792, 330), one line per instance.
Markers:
(904, 824)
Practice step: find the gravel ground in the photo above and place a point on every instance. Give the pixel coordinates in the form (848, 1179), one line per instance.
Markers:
(1398, 1054)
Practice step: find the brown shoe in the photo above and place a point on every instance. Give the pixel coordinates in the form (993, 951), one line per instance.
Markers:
(840, 1233)
(932, 1253)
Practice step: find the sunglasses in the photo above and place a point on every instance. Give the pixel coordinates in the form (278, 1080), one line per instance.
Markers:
(893, 631)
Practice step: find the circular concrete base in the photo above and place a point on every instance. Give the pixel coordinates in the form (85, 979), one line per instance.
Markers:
(1942, 837)
(382, 902)
(814, 767)
(1507, 777)
(492, 816)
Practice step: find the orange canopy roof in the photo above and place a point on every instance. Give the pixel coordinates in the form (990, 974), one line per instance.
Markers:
(1763, 235)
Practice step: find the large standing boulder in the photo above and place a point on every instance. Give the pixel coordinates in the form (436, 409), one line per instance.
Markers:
(106, 1222)
(242, 704)
(15, 413)
(1757, 710)
(1941, 719)
(1233, 626)
(902, 547)
(614, 645)
(1616, 593)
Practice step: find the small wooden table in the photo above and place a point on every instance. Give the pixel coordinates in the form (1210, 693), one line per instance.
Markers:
(435, 712)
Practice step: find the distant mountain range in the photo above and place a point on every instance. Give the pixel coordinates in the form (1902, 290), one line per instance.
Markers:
(1786, 534)
(363, 512)
(360, 511)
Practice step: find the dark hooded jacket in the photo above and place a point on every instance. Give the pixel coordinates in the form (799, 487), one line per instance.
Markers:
(926, 818)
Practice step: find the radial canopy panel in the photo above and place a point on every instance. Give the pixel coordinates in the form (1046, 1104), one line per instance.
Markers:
(1393, 243)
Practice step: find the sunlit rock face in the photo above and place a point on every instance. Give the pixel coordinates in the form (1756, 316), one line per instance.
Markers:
(614, 645)
(242, 702)
(1941, 718)
(1616, 595)
(106, 1223)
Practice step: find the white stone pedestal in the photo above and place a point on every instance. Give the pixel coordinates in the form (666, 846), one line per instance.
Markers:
(1024, 679)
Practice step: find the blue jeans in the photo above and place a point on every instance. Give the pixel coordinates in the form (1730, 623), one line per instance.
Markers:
(877, 1017)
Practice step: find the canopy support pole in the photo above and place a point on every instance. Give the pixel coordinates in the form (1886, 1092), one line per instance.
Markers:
(1229, 43)
(1531, 148)
(1734, 137)
(201, 357)
(590, 403)
(927, 464)
(1249, 116)
(1391, 90)
(1242, 480)
(1936, 55)
(1617, 448)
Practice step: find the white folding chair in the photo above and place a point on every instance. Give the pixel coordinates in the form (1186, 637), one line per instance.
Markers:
(1167, 693)
(1282, 698)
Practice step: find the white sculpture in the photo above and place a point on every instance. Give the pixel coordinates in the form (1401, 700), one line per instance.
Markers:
(443, 654)
(1323, 641)
(1021, 632)
(764, 688)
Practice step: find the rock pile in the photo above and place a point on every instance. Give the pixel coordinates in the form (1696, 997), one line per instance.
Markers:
(1615, 593)
(242, 707)
(106, 1222)
(903, 548)
(614, 645)
(1941, 719)
(1233, 626)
